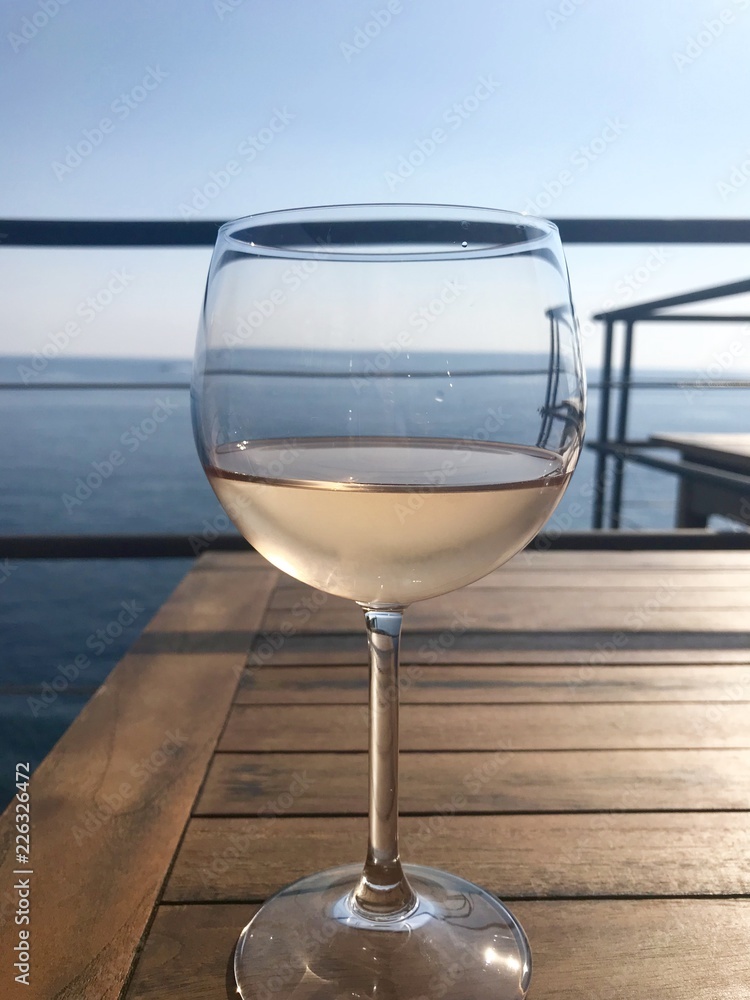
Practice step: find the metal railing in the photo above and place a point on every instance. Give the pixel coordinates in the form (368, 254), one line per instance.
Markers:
(198, 233)
(617, 447)
(195, 233)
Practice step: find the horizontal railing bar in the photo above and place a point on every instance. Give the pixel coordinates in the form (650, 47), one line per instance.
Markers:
(643, 540)
(614, 384)
(108, 232)
(70, 691)
(116, 546)
(94, 385)
(22, 547)
(199, 232)
(734, 481)
(735, 383)
(640, 310)
(695, 318)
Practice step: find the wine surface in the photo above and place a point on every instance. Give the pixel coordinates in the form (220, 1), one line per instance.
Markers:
(386, 521)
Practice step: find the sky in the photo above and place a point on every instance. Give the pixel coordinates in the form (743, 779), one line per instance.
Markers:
(222, 108)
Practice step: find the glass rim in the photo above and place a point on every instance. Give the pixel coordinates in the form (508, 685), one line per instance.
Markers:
(532, 233)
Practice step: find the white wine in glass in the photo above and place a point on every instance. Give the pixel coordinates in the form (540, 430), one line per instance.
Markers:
(388, 401)
(493, 499)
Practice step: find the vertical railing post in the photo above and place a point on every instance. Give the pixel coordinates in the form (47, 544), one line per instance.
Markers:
(600, 475)
(621, 428)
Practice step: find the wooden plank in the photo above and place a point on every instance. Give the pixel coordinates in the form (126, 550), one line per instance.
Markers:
(108, 807)
(637, 560)
(189, 953)
(597, 949)
(541, 781)
(487, 600)
(704, 579)
(605, 566)
(495, 727)
(516, 577)
(461, 614)
(618, 950)
(603, 560)
(480, 605)
(110, 802)
(475, 649)
(347, 684)
(593, 559)
(662, 605)
(523, 856)
(214, 600)
(231, 561)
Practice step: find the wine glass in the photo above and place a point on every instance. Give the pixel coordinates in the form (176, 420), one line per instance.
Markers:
(388, 400)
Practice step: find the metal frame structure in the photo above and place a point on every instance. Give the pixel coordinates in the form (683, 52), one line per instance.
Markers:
(202, 233)
(608, 492)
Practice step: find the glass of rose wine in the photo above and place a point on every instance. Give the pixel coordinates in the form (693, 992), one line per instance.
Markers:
(388, 400)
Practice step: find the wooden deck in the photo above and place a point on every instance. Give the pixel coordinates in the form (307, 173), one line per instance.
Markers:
(576, 737)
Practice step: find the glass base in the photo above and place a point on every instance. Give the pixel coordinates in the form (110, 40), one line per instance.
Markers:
(312, 941)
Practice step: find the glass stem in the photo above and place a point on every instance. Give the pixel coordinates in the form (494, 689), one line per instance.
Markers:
(383, 889)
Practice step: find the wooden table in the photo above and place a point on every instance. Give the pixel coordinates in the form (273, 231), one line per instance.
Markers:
(698, 500)
(575, 734)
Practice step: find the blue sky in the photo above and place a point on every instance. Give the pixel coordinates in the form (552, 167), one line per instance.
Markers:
(221, 108)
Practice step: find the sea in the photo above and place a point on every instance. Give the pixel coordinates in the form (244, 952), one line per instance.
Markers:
(53, 611)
